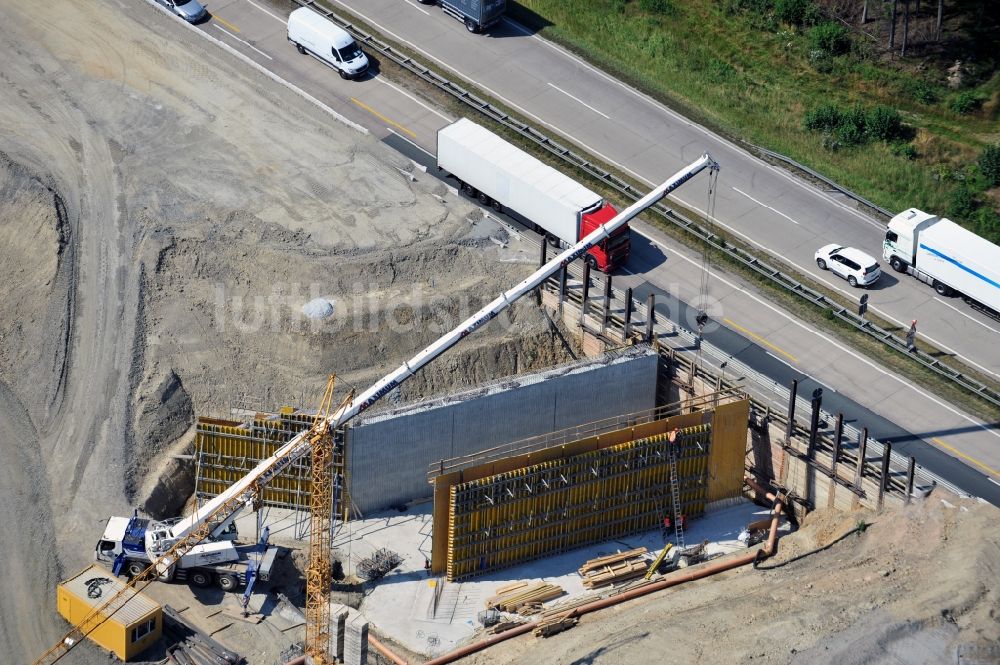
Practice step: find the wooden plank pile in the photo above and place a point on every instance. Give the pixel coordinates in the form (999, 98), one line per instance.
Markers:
(553, 625)
(522, 597)
(503, 626)
(565, 606)
(614, 568)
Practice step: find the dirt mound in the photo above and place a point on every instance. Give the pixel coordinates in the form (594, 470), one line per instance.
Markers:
(916, 586)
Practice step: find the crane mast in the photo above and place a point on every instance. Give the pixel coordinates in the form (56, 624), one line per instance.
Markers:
(174, 540)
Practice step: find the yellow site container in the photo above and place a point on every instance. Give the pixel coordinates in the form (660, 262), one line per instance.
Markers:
(132, 623)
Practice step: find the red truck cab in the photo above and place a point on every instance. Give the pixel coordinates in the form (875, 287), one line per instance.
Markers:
(608, 255)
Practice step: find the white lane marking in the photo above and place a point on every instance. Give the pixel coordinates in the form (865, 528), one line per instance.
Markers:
(825, 338)
(506, 101)
(673, 114)
(414, 99)
(792, 367)
(971, 318)
(641, 179)
(761, 203)
(422, 11)
(579, 100)
(995, 482)
(418, 147)
(275, 17)
(248, 44)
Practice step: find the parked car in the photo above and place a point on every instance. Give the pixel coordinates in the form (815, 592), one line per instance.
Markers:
(191, 11)
(858, 268)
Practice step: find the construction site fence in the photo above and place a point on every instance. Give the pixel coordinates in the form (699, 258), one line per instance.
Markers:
(705, 234)
(691, 358)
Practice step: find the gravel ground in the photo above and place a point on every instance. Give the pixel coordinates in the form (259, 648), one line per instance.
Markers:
(165, 213)
(917, 587)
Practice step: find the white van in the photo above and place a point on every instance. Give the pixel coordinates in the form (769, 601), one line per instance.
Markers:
(312, 33)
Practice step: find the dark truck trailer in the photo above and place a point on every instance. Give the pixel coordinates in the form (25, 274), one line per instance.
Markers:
(476, 14)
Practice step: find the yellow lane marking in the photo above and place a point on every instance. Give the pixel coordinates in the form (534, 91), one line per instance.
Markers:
(966, 457)
(383, 118)
(761, 340)
(225, 22)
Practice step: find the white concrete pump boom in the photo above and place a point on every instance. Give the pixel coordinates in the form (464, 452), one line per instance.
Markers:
(298, 446)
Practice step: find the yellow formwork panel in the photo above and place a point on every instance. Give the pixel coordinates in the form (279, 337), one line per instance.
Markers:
(225, 451)
(540, 509)
(729, 449)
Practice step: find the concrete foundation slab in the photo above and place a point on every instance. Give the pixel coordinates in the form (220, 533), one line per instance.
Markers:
(431, 616)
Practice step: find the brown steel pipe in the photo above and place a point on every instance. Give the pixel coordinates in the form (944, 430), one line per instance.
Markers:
(758, 489)
(469, 649)
(384, 650)
(669, 581)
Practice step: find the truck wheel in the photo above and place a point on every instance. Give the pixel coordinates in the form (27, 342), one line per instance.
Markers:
(200, 578)
(344, 75)
(485, 200)
(136, 567)
(591, 261)
(821, 263)
(497, 206)
(301, 50)
(897, 264)
(852, 281)
(469, 189)
(471, 26)
(227, 582)
(942, 289)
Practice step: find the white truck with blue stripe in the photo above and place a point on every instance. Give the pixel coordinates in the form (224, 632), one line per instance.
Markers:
(939, 252)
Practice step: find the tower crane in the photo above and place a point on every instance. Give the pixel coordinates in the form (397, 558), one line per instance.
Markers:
(167, 542)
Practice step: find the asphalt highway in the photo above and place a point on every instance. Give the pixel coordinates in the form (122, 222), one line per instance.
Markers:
(963, 449)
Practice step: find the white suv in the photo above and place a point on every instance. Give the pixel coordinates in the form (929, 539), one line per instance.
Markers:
(858, 268)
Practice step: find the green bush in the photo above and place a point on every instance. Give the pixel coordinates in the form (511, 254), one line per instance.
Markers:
(655, 6)
(883, 123)
(988, 224)
(758, 7)
(823, 117)
(829, 37)
(921, 91)
(794, 12)
(965, 102)
(989, 164)
(904, 150)
(853, 123)
(963, 203)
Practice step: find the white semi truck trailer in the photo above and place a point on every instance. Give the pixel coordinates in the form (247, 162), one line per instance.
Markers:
(949, 258)
(504, 176)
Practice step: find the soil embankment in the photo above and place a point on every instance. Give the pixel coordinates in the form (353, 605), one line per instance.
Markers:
(165, 213)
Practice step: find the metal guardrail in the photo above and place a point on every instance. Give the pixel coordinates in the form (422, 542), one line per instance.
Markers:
(766, 395)
(706, 235)
(819, 176)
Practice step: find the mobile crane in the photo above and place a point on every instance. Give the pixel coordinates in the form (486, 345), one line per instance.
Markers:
(167, 542)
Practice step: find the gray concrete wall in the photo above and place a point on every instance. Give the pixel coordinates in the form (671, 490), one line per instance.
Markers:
(389, 452)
